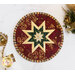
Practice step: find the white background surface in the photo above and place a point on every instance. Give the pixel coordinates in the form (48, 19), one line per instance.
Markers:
(11, 14)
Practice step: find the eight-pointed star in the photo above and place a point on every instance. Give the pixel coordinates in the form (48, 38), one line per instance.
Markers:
(32, 37)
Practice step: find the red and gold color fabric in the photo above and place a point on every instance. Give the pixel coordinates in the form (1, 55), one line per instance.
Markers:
(38, 37)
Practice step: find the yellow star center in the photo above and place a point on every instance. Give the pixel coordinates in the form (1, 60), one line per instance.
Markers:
(38, 36)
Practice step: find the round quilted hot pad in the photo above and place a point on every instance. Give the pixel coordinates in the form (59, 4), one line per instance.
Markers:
(38, 37)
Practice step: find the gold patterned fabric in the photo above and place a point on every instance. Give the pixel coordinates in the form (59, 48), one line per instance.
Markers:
(38, 37)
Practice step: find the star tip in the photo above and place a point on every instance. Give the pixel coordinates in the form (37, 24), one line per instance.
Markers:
(31, 21)
(23, 30)
(44, 51)
(44, 21)
(32, 51)
(23, 43)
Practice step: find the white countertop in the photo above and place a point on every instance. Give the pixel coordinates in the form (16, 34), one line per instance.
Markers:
(11, 14)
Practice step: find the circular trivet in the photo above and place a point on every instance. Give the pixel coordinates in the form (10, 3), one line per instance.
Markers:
(38, 37)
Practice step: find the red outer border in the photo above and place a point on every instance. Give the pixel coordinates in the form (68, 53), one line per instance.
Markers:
(16, 44)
